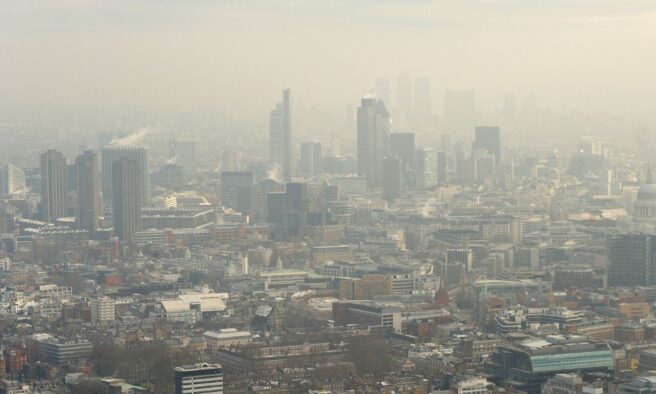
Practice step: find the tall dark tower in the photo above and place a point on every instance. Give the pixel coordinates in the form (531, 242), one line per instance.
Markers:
(127, 190)
(373, 140)
(489, 138)
(281, 135)
(53, 186)
(393, 178)
(402, 145)
(88, 191)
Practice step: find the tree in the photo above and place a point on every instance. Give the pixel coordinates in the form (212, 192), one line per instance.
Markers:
(370, 354)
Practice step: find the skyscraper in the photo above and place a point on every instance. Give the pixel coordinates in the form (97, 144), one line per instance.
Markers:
(402, 145)
(127, 197)
(392, 178)
(231, 183)
(373, 140)
(281, 135)
(488, 138)
(112, 153)
(88, 191)
(310, 160)
(184, 155)
(199, 379)
(441, 167)
(13, 179)
(426, 168)
(631, 260)
(53, 186)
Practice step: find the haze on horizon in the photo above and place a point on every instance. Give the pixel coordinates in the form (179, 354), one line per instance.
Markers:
(593, 55)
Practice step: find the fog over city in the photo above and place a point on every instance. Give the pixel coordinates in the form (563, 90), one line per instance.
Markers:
(328, 196)
(114, 57)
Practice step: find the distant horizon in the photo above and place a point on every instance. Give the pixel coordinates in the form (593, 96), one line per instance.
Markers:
(109, 58)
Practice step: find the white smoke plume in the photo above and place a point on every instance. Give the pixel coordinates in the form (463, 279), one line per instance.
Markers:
(172, 160)
(275, 173)
(135, 138)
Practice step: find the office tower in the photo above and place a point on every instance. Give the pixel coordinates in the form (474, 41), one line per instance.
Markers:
(277, 214)
(288, 211)
(631, 260)
(281, 135)
(441, 167)
(88, 191)
(373, 140)
(426, 168)
(298, 206)
(402, 145)
(231, 182)
(127, 197)
(459, 110)
(13, 179)
(183, 153)
(392, 178)
(483, 164)
(112, 153)
(310, 160)
(404, 95)
(423, 96)
(488, 138)
(199, 379)
(258, 203)
(383, 90)
(53, 186)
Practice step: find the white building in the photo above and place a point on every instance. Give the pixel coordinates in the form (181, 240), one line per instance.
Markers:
(227, 337)
(199, 378)
(472, 386)
(103, 309)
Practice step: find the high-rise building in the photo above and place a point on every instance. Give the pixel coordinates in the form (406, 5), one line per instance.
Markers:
(13, 179)
(488, 138)
(184, 155)
(423, 96)
(231, 183)
(392, 178)
(199, 379)
(112, 153)
(88, 191)
(402, 145)
(281, 135)
(441, 166)
(373, 140)
(426, 168)
(53, 186)
(310, 160)
(127, 196)
(258, 203)
(631, 260)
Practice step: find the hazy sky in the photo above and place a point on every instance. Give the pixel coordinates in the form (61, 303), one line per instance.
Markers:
(185, 54)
